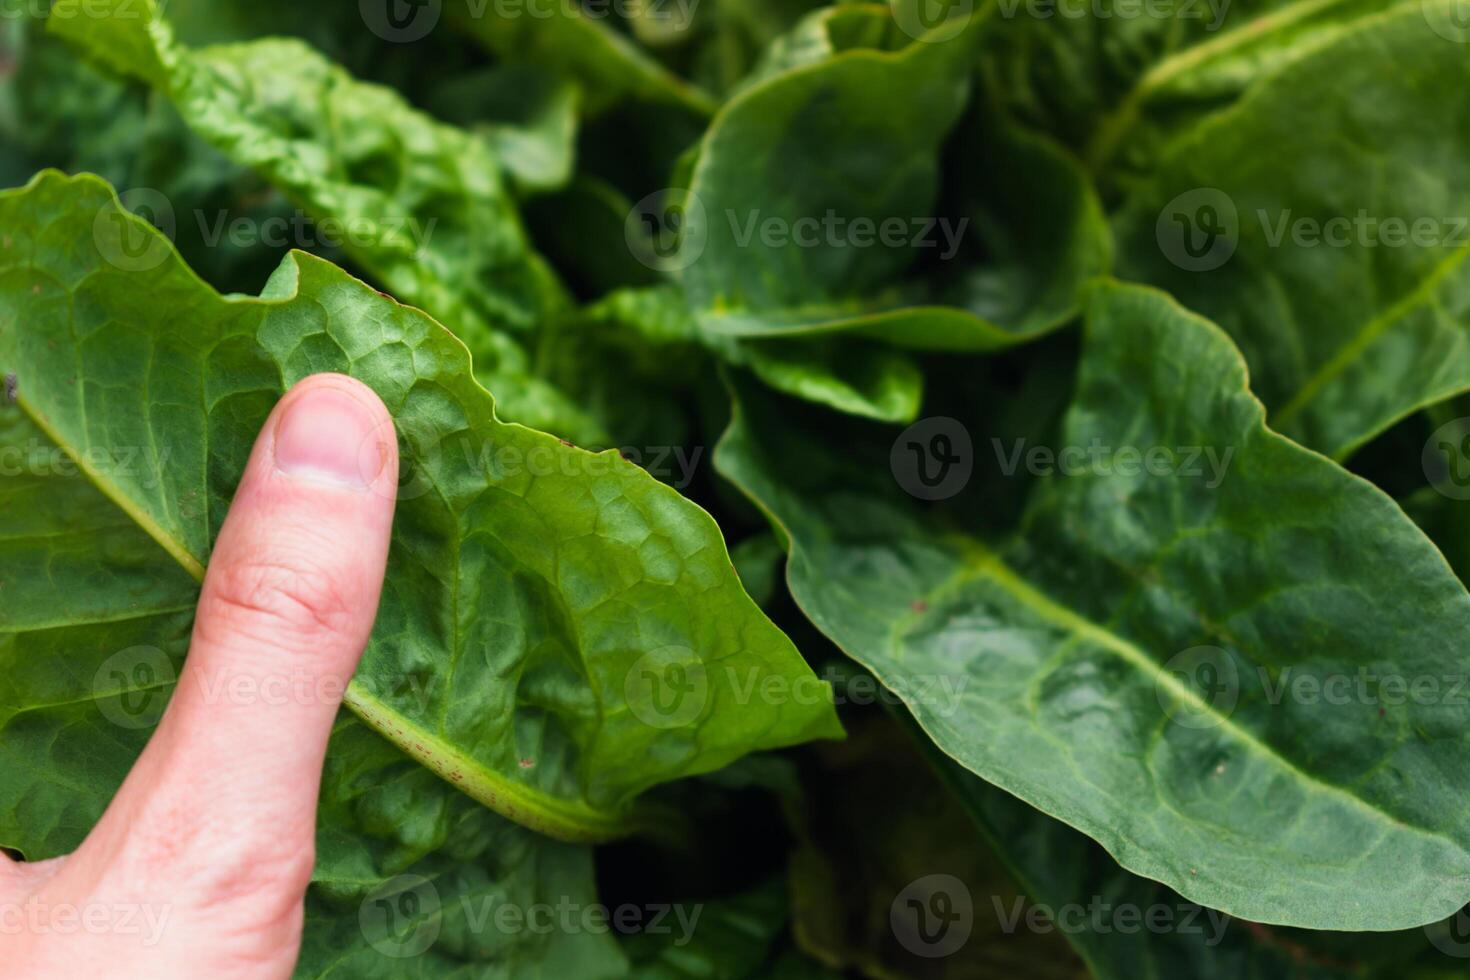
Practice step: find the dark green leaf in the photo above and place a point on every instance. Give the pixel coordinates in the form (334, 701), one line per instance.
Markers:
(1341, 276)
(1115, 660)
(514, 556)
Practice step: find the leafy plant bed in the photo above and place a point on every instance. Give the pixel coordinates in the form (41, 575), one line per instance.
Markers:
(882, 494)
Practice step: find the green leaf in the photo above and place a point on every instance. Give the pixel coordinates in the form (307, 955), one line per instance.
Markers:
(420, 205)
(527, 115)
(70, 115)
(1034, 235)
(411, 876)
(424, 205)
(1063, 870)
(1116, 81)
(862, 379)
(97, 621)
(730, 39)
(1348, 331)
(873, 827)
(582, 228)
(608, 65)
(515, 556)
(757, 560)
(1085, 644)
(819, 260)
(795, 131)
(731, 939)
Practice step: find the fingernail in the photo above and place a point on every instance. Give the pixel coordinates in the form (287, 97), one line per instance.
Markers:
(329, 436)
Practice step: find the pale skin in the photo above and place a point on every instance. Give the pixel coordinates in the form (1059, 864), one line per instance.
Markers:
(213, 831)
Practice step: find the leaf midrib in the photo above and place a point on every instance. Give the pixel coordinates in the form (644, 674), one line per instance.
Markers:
(1369, 332)
(1117, 124)
(979, 562)
(522, 804)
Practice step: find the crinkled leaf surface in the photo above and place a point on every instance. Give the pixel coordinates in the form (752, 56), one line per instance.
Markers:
(1068, 637)
(74, 116)
(1353, 326)
(411, 873)
(96, 623)
(422, 206)
(347, 150)
(538, 595)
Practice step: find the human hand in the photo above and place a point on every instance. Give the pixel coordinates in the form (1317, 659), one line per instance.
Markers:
(213, 832)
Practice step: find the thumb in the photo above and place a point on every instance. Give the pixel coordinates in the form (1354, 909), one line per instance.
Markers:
(231, 776)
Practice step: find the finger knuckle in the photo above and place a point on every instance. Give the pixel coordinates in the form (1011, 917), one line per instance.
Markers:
(272, 598)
